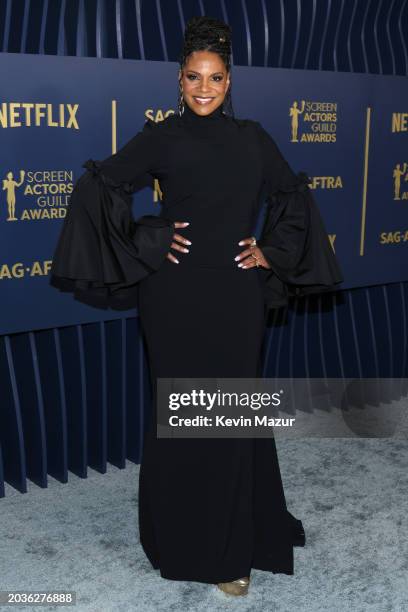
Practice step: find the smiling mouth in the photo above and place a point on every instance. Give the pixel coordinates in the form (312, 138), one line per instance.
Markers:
(202, 100)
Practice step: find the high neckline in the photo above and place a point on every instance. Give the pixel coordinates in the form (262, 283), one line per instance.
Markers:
(192, 116)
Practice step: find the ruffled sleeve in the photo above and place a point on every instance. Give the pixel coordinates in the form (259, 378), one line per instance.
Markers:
(102, 251)
(294, 239)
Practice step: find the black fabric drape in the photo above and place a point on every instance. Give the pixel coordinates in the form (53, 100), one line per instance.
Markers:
(102, 251)
(293, 240)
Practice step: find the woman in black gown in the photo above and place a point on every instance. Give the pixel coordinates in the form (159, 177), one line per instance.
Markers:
(210, 509)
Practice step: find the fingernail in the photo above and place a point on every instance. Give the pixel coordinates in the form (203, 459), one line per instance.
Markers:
(177, 261)
(186, 222)
(239, 265)
(186, 251)
(236, 258)
(241, 243)
(188, 242)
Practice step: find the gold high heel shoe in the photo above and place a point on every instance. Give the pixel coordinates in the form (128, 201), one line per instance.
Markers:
(236, 587)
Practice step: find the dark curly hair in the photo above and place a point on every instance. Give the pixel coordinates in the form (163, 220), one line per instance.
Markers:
(208, 34)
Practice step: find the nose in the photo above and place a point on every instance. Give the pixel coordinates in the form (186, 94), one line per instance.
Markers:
(205, 86)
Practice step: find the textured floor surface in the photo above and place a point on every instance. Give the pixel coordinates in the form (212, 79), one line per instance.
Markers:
(351, 495)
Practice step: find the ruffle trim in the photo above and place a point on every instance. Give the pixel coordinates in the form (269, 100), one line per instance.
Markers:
(300, 182)
(96, 169)
(103, 252)
(295, 243)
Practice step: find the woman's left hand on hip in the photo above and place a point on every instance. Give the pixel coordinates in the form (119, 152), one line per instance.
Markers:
(252, 256)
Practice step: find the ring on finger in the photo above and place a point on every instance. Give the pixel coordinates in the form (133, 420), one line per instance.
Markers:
(256, 259)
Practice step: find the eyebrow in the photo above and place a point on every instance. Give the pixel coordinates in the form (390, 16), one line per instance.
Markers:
(196, 72)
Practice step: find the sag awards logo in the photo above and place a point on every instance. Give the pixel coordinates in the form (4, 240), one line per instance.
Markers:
(40, 194)
(318, 121)
(43, 194)
(399, 174)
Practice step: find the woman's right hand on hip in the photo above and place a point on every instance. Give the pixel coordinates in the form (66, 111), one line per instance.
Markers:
(178, 242)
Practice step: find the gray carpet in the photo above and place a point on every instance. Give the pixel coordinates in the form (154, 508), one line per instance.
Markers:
(351, 495)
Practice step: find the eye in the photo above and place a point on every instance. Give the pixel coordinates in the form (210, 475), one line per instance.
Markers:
(191, 77)
(218, 77)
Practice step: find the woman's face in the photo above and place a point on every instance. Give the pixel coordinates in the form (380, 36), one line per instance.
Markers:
(204, 81)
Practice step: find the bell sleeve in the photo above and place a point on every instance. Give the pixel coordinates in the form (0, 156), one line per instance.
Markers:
(293, 239)
(102, 252)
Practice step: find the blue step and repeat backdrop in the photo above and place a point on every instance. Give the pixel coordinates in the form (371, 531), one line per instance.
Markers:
(348, 132)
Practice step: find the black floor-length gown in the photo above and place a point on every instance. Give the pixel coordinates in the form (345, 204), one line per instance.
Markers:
(209, 509)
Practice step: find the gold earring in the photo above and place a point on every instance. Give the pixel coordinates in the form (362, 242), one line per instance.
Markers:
(181, 102)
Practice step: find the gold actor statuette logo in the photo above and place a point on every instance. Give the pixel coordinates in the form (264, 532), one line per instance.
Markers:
(294, 112)
(396, 175)
(9, 186)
